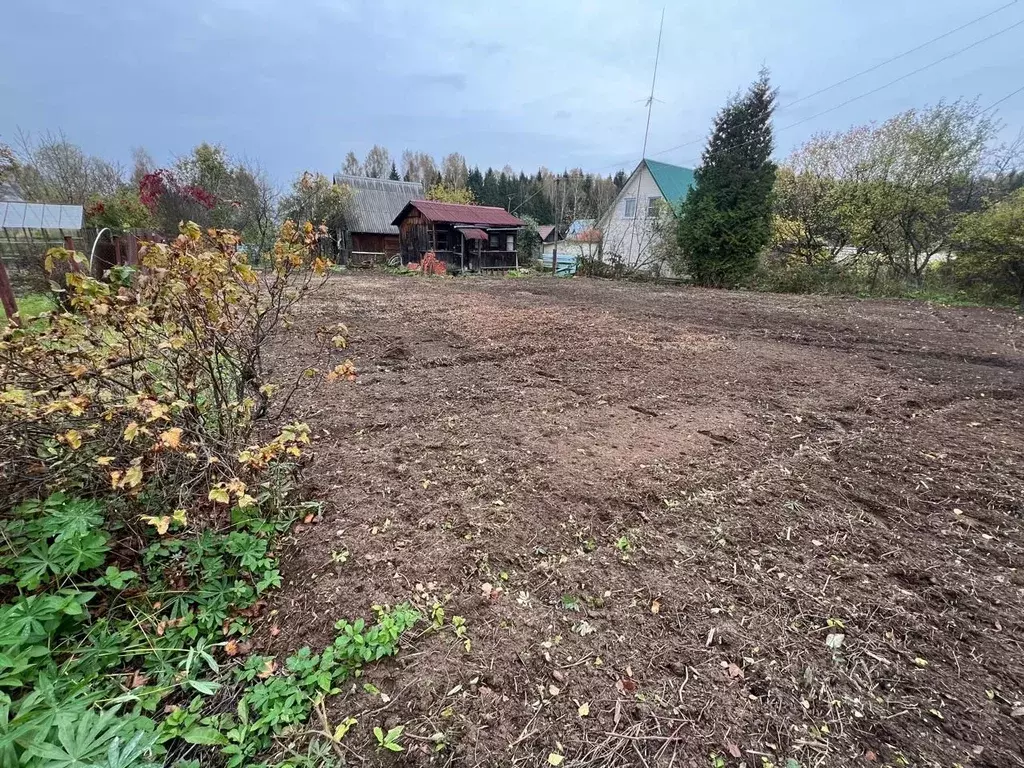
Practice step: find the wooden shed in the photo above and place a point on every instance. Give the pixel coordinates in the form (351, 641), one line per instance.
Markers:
(466, 237)
(371, 237)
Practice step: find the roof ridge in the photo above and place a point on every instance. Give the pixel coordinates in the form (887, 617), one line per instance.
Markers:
(673, 181)
(371, 180)
(461, 213)
(669, 165)
(465, 205)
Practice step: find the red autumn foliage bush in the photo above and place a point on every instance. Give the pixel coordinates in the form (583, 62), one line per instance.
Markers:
(432, 265)
(153, 186)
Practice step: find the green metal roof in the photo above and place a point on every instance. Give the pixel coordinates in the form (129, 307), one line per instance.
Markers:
(674, 181)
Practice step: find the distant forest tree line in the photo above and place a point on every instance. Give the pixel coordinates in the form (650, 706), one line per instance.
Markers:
(544, 196)
(210, 186)
(930, 196)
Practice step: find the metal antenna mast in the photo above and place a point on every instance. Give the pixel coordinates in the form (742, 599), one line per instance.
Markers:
(650, 99)
(647, 130)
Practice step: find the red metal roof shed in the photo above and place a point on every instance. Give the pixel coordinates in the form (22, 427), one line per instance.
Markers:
(453, 213)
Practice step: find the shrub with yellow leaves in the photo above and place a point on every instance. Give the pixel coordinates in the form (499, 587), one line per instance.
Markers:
(149, 384)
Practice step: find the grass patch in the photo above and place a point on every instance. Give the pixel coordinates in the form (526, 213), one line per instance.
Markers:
(936, 286)
(32, 304)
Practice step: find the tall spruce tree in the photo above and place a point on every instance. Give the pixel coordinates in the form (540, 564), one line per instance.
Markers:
(489, 189)
(725, 221)
(393, 176)
(475, 182)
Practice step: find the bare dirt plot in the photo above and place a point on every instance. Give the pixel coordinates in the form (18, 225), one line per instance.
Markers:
(763, 527)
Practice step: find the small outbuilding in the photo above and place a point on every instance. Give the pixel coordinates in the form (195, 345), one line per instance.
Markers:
(465, 237)
(371, 237)
(548, 233)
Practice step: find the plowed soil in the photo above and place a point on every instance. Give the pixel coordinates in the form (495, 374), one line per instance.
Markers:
(680, 525)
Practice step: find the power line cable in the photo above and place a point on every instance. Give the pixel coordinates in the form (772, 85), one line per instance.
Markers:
(872, 69)
(899, 56)
(873, 91)
(899, 79)
(1005, 98)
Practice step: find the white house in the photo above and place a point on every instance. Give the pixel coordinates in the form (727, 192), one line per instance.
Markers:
(629, 228)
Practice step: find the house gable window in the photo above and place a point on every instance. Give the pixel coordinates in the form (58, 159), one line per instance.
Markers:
(629, 208)
(653, 207)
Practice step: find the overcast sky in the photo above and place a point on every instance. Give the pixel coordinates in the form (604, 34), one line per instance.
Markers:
(297, 84)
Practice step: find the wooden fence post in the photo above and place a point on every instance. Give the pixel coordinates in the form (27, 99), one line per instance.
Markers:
(132, 243)
(7, 296)
(69, 245)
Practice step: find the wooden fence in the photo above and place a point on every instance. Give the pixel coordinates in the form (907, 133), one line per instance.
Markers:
(120, 249)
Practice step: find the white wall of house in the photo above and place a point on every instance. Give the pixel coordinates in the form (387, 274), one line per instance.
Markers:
(631, 238)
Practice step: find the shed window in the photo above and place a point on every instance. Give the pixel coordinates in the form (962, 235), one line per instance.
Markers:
(510, 242)
(653, 207)
(629, 208)
(494, 242)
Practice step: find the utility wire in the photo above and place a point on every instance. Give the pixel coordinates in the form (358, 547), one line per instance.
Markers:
(1006, 97)
(872, 69)
(899, 56)
(873, 91)
(989, 108)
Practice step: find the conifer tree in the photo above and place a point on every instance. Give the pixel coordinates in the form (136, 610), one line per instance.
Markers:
(725, 221)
